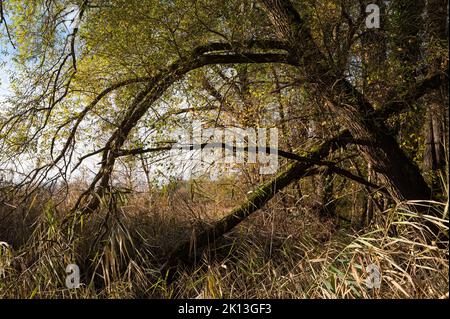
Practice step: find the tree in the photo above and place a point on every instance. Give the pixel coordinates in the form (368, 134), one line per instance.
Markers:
(113, 74)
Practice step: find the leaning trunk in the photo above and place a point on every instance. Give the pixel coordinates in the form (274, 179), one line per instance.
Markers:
(399, 174)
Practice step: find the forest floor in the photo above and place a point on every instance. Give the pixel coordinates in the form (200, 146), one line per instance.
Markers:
(282, 251)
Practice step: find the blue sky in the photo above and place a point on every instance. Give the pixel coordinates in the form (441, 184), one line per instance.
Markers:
(5, 58)
(4, 77)
(8, 67)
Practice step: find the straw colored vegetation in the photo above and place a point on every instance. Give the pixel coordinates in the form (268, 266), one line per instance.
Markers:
(283, 251)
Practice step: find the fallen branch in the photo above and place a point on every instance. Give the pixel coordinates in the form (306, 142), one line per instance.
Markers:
(186, 253)
(332, 166)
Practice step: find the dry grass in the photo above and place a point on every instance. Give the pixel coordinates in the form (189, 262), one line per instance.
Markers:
(278, 253)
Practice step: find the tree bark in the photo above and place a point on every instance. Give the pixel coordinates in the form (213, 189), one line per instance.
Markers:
(436, 118)
(400, 175)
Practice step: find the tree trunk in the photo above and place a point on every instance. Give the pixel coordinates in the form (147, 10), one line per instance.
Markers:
(327, 204)
(399, 174)
(436, 118)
